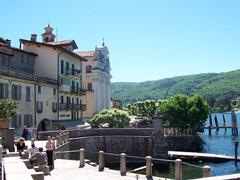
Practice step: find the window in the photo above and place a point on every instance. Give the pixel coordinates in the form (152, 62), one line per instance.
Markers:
(54, 91)
(62, 67)
(73, 69)
(88, 69)
(89, 86)
(3, 91)
(5, 60)
(68, 100)
(28, 120)
(72, 100)
(39, 107)
(61, 80)
(39, 89)
(28, 93)
(61, 99)
(54, 107)
(77, 86)
(16, 121)
(22, 58)
(67, 65)
(16, 92)
(77, 101)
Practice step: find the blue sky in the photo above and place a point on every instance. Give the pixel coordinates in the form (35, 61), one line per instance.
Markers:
(147, 40)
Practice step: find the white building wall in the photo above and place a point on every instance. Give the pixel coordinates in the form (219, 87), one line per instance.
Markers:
(46, 61)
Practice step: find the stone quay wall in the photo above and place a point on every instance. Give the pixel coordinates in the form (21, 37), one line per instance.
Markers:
(73, 133)
(184, 143)
(131, 145)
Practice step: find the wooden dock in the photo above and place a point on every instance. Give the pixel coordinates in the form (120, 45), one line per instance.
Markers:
(201, 156)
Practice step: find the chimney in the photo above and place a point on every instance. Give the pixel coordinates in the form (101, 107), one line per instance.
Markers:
(8, 42)
(33, 37)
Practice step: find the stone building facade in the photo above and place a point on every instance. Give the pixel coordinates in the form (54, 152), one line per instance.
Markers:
(55, 86)
(96, 80)
(19, 82)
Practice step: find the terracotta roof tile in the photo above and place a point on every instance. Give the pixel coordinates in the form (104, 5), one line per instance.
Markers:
(86, 53)
(64, 43)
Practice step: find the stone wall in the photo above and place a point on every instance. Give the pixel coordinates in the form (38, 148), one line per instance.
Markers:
(184, 143)
(99, 132)
(7, 135)
(131, 145)
(64, 147)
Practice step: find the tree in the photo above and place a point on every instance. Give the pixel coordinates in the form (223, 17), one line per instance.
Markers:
(8, 108)
(144, 108)
(185, 111)
(115, 118)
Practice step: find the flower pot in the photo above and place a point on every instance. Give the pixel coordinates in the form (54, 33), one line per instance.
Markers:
(4, 122)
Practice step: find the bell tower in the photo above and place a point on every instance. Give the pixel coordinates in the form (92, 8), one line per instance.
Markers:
(48, 36)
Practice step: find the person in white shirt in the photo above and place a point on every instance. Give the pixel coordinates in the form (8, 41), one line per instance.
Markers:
(33, 150)
(50, 146)
(40, 158)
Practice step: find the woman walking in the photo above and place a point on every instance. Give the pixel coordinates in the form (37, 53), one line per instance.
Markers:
(50, 146)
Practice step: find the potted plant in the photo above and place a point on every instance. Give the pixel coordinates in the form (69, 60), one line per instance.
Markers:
(8, 108)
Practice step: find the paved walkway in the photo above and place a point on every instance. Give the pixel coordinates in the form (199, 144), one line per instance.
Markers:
(66, 170)
(15, 169)
(69, 169)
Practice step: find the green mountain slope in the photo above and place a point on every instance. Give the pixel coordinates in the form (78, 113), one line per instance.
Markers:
(213, 86)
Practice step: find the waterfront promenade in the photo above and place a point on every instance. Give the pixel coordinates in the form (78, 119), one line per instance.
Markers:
(66, 169)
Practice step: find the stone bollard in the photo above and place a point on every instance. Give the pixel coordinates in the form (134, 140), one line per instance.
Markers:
(178, 169)
(148, 166)
(82, 158)
(123, 169)
(101, 161)
(206, 171)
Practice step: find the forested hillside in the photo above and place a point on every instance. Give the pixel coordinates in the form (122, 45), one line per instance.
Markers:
(218, 89)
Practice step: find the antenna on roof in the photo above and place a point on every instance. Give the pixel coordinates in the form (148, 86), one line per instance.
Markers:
(103, 42)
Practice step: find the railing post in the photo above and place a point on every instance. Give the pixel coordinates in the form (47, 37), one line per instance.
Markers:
(68, 136)
(82, 158)
(206, 171)
(178, 169)
(101, 161)
(57, 139)
(64, 138)
(123, 168)
(149, 166)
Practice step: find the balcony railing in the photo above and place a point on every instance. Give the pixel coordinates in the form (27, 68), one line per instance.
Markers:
(75, 90)
(8, 71)
(72, 107)
(72, 72)
(64, 106)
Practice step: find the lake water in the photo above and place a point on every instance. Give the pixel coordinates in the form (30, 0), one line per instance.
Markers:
(219, 143)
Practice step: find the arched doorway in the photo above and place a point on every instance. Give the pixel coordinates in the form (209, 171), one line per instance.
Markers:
(44, 125)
